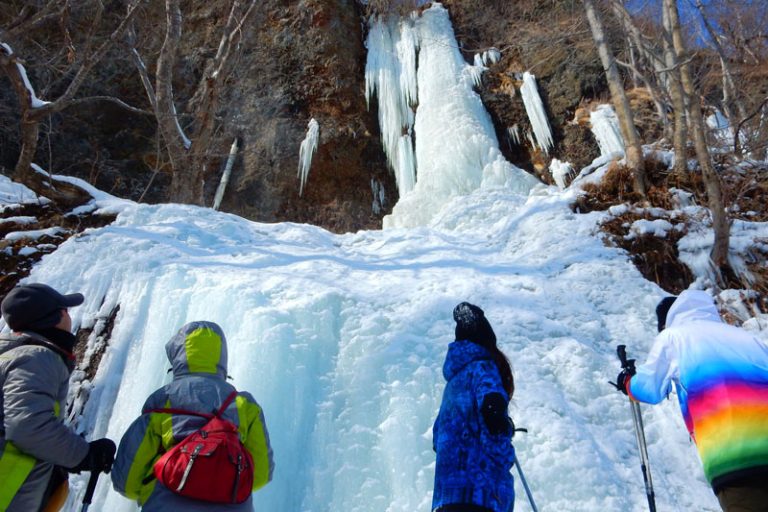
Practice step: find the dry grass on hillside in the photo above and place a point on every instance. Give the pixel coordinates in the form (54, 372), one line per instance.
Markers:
(657, 258)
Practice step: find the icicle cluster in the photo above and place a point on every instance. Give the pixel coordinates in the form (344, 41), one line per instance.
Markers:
(306, 151)
(476, 71)
(450, 135)
(377, 190)
(390, 74)
(534, 107)
(605, 128)
(491, 56)
(514, 133)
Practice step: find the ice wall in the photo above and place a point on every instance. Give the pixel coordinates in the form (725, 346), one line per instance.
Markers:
(341, 339)
(456, 150)
(605, 128)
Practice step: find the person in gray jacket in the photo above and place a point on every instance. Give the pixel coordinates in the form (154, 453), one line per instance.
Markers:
(36, 360)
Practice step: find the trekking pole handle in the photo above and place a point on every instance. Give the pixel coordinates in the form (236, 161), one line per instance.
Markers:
(90, 490)
(621, 351)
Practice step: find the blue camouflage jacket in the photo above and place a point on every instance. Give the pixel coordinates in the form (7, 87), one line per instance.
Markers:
(473, 466)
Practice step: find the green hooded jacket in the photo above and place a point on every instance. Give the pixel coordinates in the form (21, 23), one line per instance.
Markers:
(198, 355)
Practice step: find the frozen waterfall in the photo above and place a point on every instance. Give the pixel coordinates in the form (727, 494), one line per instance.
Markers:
(456, 150)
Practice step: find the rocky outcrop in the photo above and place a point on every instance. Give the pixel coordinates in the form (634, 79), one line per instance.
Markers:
(306, 60)
(542, 38)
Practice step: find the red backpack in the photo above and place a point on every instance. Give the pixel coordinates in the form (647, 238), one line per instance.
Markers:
(211, 464)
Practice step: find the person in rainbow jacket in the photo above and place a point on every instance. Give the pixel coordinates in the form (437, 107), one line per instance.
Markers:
(720, 374)
(198, 355)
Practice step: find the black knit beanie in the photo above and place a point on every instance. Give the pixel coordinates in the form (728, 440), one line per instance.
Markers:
(661, 311)
(472, 325)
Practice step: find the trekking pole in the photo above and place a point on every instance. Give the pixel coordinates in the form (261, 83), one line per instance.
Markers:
(89, 490)
(520, 471)
(525, 485)
(637, 419)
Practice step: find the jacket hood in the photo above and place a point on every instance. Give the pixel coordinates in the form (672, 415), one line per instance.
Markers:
(198, 347)
(460, 354)
(10, 341)
(691, 306)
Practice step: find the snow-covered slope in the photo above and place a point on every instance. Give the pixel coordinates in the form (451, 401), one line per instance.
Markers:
(342, 337)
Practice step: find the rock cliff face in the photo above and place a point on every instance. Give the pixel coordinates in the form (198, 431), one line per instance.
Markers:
(546, 39)
(306, 60)
(299, 61)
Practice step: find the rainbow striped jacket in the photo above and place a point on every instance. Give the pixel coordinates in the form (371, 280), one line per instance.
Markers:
(720, 373)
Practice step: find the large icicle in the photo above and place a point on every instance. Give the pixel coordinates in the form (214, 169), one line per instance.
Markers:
(534, 107)
(456, 146)
(605, 128)
(306, 151)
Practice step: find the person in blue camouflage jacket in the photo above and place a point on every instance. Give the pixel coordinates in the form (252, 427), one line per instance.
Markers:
(472, 434)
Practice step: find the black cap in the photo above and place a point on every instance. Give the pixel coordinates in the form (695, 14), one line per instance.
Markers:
(661, 311)
(36, 306)
(472, 325)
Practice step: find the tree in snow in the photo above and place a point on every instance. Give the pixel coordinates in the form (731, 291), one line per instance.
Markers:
(82, 56)
(720, 223)
(662, 80)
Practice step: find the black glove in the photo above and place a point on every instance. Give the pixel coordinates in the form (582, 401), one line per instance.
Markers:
(100, 456)
(622, 380)
(494, 410)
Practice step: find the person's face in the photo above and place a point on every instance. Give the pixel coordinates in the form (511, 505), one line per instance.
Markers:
(65, 324)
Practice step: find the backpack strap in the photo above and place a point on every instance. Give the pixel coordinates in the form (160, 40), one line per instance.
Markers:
(226, 403)
(216, 414)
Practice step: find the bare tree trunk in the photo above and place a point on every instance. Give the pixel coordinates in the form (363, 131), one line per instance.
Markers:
(185, 187)
(720, 224)
(634, 151)
(190, 156)
(656, 85)
(676, 93)
(729, 87)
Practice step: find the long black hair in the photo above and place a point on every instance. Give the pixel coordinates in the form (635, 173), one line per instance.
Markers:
(505, 370)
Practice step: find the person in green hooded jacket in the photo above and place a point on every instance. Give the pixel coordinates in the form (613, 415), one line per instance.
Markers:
(198, 355)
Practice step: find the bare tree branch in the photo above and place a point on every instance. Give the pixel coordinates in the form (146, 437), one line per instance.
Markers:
(49, 12)
(112, 99)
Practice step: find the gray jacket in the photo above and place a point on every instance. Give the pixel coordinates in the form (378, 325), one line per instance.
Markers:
(35, 381)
